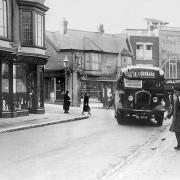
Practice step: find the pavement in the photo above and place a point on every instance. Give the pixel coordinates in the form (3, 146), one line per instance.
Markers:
(156, 160)
(54, 114)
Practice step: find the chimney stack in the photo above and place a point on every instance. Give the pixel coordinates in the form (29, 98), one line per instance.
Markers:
(64, 26)
(101, 28)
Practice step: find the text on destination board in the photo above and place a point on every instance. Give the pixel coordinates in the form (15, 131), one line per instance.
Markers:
(144, 74)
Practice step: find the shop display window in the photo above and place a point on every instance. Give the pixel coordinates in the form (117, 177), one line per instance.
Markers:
(40, 91)
(6, 98)
(20, 87)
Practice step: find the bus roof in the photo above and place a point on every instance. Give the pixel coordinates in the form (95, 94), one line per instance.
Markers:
(129, 68)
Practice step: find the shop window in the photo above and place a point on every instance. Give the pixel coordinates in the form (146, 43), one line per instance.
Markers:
(5, 71)
(60, 88)
(40, 90)
(3, 18)
(20, 87)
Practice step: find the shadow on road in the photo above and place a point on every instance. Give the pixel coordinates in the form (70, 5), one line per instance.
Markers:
(140, 122)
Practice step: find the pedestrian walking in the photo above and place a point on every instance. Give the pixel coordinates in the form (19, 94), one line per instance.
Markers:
(67, 102)
(86, 107)
(175, 112)
(111, 101)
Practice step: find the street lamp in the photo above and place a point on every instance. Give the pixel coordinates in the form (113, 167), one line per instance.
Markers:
(66, 62)
(66, 66)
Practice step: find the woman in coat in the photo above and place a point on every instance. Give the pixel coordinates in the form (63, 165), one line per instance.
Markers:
(175, 112)
(86, 107)
(67, 102)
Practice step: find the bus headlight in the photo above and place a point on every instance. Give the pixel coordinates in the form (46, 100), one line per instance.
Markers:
(130, 98)
(155, 99)
(163, 103)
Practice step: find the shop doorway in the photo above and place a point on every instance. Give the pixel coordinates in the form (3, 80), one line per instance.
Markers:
(60, 88)
(32, 77)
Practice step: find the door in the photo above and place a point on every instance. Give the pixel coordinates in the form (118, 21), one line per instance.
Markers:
(60, 88)
(32, 88)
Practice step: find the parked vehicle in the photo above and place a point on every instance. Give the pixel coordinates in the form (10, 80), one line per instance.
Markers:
(140, 94)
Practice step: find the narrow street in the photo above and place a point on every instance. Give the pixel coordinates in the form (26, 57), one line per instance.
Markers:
(86, 149)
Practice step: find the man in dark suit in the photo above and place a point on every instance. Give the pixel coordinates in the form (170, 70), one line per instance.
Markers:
(175, 112)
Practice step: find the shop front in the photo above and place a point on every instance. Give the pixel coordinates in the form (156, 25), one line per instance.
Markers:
(21, 84)
(99, 87)
(54, 85)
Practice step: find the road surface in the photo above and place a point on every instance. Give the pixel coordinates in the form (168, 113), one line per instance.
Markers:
(86, 149)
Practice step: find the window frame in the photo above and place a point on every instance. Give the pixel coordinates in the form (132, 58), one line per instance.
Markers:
(5, 15)
(90, 62)
(42, 29)
(142, 51)
(172, 69)
(34, 12)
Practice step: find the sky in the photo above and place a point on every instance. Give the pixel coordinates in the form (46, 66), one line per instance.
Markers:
(115, 15)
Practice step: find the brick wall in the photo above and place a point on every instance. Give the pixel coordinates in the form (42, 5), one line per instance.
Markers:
(155, 49)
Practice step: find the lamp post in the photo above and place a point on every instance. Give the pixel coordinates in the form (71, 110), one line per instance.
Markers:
(66, 66)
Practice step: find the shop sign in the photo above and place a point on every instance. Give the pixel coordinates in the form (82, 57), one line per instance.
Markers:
(172, 81)
(98, 78)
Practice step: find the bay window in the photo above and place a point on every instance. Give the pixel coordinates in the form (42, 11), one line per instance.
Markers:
(3, 18)
(5, 74)
(27, 35)
(32, 30)
(39, 29)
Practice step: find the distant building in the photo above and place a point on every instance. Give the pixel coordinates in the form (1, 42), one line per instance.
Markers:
(169, 39)
(94, 61)
(169, 45)
(22, 55)
(145, 50)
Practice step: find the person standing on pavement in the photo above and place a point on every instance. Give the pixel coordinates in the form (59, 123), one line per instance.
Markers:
(66, 103)
(175, 112)
(86, 107)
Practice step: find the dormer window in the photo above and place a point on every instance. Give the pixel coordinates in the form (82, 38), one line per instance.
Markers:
(3, 18)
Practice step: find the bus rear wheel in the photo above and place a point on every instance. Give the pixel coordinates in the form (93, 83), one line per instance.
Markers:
(159, 118)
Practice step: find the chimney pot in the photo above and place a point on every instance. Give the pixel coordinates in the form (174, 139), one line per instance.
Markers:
(64, 26)
(101, 28)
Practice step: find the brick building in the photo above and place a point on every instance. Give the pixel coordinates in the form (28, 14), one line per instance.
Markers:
(169, 45)
(22, 57)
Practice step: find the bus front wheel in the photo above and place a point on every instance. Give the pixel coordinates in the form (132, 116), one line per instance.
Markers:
(120, 118)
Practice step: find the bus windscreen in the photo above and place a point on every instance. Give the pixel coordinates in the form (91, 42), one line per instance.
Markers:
(132, 83)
